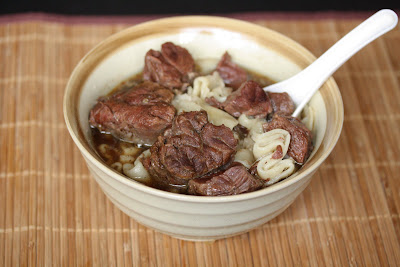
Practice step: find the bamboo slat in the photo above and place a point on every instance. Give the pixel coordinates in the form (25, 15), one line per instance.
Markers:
(53, 213)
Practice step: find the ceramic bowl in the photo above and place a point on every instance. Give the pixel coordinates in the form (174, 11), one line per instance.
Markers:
(206, 37)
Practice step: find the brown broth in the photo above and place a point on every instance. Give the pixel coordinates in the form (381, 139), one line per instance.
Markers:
(115, 150)
(113, 154)
(260, 79)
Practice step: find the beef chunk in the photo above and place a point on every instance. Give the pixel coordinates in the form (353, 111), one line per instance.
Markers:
(136, 115)
(145, 93)
(232, 74)
(301, 145)
(178, 57)
(253, 169)
(282, 103)
(191, 148)
(250, 99)
(212, 101)
(241, 131)
(173, 67)
(278, 154)
(233, 181)
(158, 70)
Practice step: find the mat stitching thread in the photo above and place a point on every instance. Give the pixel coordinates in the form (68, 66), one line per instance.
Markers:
(270, 224)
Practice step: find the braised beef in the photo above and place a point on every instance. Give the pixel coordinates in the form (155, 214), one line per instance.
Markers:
(145, 93)
(253, 169)
(231, 73)
(233, 181)
(191, 148)
(137, 115)
(173, 67)
(250, 99)
(158, 70)
(278, 154)
(282, 103)
(300, 146)
(178, 57)
(212, 101)
(241, 131)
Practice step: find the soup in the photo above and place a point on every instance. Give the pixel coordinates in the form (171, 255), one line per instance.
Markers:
(176, 128)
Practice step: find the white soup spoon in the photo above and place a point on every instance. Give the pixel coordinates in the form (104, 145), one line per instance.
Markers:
(302, 86)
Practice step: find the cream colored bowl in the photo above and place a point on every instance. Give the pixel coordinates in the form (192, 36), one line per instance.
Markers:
(207, 38)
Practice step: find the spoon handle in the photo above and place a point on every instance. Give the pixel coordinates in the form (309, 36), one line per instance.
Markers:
(308, 81)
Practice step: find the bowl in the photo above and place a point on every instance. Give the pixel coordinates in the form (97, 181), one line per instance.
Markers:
(206, 37)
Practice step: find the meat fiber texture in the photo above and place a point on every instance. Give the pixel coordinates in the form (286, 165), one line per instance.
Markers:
(172, 67)
(282, 103)
(250, 99)
(300, 146)
(137, 115)
(232, 74)
(191, 148)
(235, 180)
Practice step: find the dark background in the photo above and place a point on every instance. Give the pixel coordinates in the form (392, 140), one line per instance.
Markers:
(127, 7)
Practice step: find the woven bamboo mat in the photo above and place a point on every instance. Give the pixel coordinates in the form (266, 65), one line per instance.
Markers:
(53, 213)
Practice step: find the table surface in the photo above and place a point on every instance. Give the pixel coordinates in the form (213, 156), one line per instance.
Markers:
(52, 211)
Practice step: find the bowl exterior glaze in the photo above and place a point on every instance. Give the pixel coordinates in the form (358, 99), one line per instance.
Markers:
(183, 216)
(196, 221)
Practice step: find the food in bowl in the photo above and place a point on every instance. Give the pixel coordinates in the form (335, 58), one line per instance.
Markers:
(185, 216)
(178, 128)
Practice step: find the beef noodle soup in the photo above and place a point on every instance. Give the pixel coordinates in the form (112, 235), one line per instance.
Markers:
(176, 128)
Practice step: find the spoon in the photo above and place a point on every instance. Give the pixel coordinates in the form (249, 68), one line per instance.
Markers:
(302, 86)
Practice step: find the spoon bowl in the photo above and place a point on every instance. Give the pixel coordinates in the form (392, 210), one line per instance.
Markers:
(303, 85)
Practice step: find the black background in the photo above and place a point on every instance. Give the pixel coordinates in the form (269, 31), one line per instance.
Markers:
(131, 7)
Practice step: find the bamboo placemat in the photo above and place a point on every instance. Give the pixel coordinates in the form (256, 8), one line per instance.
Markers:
(53, 213)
